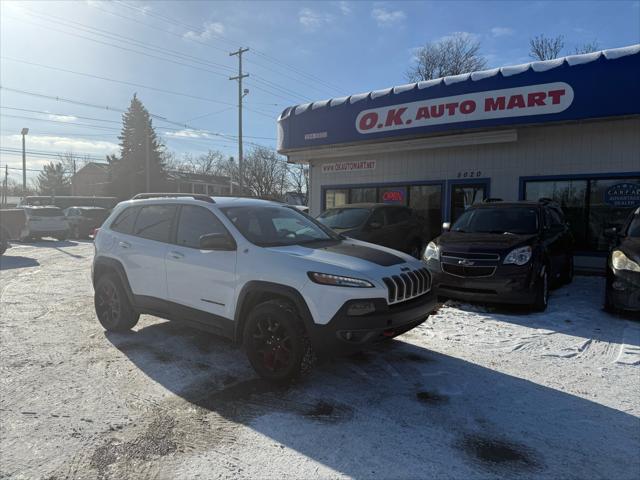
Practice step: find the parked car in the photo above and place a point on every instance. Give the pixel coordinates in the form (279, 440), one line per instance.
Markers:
(12, 222)
(261, 273)
(623, 266)
(44, 222)
(503, 252)
(391, 226)
(83, 220)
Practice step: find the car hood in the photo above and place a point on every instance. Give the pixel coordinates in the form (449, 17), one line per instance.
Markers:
(482, 242)
(349, 254)
(631, 248)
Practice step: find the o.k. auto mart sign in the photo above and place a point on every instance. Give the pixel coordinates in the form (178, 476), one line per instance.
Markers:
(510, 102)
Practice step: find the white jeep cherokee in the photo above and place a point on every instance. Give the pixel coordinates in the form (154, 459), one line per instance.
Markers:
(258, 272)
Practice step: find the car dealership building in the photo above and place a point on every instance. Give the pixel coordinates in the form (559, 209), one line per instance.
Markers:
(567, 129)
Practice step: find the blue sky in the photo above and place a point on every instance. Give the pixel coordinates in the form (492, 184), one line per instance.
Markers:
(300, 51)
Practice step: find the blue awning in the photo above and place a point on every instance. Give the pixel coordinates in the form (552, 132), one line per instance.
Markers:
(599, 84)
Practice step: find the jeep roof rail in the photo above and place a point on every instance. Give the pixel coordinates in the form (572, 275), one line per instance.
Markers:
(546, 200)
(492, 200)
(195, 196)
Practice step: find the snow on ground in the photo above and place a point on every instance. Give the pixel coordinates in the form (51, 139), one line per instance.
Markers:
(475, 392)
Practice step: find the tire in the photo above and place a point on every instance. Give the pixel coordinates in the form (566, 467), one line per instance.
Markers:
(276, 343)
(62, 238)
(567, 274)
(3, 246)
(542, 292)
(114, 311)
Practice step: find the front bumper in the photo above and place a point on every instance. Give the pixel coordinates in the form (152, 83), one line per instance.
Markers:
(510, 284)
(624, 290)
(347, 333)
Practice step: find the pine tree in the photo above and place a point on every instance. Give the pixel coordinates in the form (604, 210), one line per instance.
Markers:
(138, 141)
(53, 180)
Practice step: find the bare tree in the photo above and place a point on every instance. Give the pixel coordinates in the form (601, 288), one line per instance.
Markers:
(298, 178)
(264, 173)
(588, 47)
(545, 48)
(72, 162)
(459, 53)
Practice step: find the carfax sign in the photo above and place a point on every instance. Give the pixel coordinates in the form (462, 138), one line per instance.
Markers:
(587, 89)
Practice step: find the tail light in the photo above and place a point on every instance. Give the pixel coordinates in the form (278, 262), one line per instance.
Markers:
(94, 232)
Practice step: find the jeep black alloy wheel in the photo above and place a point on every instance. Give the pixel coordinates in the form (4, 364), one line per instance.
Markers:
(274, 341)
(112, 305)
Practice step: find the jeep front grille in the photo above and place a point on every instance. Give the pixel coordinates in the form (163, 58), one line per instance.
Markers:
(407, 285)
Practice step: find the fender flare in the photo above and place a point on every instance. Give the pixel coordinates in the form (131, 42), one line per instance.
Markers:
(108, 264)
(257, 287)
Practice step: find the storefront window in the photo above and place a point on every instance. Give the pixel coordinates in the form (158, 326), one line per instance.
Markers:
(590, 205)
(363, 195)
(426, 200)
(610, 203)
(335, 197)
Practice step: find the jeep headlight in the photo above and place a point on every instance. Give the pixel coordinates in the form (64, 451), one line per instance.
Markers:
(620, 261)
(518, 256)
(432, 252)
(338, 280)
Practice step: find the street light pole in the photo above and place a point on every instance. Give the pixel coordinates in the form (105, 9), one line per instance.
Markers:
(24, 162)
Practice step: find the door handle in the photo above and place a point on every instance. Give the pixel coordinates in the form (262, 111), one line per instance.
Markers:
(176, 255)
(124, 244)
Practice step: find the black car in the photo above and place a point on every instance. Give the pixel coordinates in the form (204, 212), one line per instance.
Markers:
(83, 220)
(391, 226)
(504, 253)
(623, 267)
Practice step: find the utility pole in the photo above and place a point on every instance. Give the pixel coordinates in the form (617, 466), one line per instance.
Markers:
(24, 133)
(6, 186)
(241, 94)
(147, 162)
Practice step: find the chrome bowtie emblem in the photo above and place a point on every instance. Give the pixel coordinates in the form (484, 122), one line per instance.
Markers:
(466, 263)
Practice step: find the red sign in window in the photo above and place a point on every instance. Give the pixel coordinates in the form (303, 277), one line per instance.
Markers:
(393, 196)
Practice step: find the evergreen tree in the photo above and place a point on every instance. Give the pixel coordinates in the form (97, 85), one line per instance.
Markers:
(138, 142)
(53, 180)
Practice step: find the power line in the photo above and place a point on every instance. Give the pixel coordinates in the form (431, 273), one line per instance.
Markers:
(174, 21)
(60, 114)
(113, 80)
(139, 44)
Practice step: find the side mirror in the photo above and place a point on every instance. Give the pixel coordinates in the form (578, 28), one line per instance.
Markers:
(217, 241)
(375, 225)
(610, 233)
(446, 226)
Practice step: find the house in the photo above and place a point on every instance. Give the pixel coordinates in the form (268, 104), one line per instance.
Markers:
(94, 179)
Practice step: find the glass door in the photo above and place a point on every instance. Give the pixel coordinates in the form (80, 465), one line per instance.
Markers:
(463, 195)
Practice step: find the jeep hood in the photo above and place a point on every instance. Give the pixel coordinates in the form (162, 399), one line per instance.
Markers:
(349, 254)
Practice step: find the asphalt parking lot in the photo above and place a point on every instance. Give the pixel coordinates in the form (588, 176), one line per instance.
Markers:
(475, 392)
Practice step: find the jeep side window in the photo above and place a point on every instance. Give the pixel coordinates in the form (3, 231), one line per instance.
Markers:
(154, 222)
(125, 221)
(195, 222)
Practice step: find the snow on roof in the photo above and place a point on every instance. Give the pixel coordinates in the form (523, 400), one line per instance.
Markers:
(507, 71)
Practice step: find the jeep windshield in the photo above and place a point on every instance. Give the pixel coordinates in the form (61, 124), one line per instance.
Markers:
(514, 220)
(344, 218)
(275, 226)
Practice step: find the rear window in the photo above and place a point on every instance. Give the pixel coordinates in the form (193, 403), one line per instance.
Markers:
(154, 222)
(125, 221)
(94, 214)
(44, 212)
(344, 217)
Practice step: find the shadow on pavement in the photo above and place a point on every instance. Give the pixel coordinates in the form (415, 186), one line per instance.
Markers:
(7, 262)
(397, 411)
(575, 309)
